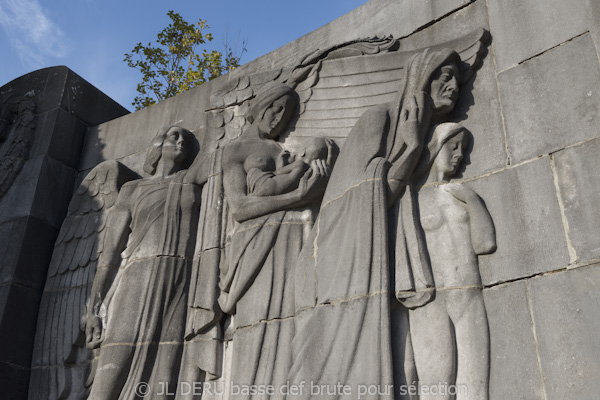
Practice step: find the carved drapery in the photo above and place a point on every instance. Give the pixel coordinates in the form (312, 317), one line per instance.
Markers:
(273, 243)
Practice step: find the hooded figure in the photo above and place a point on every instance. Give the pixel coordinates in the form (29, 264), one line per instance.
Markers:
(367, 243)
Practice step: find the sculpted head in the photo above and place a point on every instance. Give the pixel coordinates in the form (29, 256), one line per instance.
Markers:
(445, 151)
(444, 89)
(272, 109)
(437, 74)
(317, 149)
(174, 144)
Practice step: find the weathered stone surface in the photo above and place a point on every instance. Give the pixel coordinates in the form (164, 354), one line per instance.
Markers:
(21, 305)
(579, 179)
(529, 230)
(566, 315)
(514, 370)
(88, 104)
(26, 265)
(124, 136)
(60, 135)
(523, 29)
(14, 380)
(17, 202)
(59, 87)
(409, 16)
(545, 107)
(594, 22)
(57, 179)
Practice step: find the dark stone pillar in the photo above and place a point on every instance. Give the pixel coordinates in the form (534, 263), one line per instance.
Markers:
(33, 208)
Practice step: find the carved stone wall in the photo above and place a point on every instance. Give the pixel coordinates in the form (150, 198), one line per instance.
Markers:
(528, 122)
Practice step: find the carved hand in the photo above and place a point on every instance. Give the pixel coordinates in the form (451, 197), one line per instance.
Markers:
(414, 120)
(94, 334)
(310, 182)
(332, 153)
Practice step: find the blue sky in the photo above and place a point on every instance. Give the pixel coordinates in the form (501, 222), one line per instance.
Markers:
(91, 36)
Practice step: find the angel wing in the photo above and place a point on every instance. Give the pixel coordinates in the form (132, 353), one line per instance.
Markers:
(225, 119)
(335, 86)
(338, 91)
(17, 123)
(60, 356)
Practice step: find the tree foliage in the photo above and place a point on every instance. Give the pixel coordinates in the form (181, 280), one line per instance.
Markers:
(174, 65)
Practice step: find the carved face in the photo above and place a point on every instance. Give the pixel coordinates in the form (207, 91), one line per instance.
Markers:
(175, 146)
(448, 160)
(444, 89)
(276, 117)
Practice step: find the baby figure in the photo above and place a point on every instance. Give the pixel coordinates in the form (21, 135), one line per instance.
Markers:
(269, 177)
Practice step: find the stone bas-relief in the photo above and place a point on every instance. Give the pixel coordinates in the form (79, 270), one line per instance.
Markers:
(269, 200)
(275, 251)
(17, 123)
(450, 334)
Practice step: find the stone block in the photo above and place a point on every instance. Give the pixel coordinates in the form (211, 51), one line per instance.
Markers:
(566, 311)
(478, 107)
(59, 135)
(11, 236)
(529, 231)
(514, 370)
(13, 381)
(18, 200)
(26, 246)
(85, 102)
(552, 100)
(35, 254)
(523, 29)
(17, 327)
(409, 16)
(579, 180)
(59, 87)
(53, 192)
(594, 22)
(134, 133)
(46, 85)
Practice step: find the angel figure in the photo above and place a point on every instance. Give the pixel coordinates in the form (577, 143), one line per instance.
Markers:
(267, 201)
(343, 285)
(139, 298)
(61, 362)
(450, 334)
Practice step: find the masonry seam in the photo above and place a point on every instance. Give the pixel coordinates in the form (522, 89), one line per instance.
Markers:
(493, 55)
(561, 206)
(544, 52)
(433, 22)
(535, 340)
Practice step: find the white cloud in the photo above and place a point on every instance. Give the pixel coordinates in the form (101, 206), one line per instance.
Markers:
(33, 35)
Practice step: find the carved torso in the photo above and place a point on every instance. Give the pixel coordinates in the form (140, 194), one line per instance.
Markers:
(445, 221)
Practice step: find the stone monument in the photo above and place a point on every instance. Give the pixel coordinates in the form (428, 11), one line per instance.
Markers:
(402, 210)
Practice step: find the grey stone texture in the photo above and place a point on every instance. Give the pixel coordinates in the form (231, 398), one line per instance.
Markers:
(529, 229)
(565, 311)
(514, 369)
(545, 109)
(524, 29)
(107, 141)
(578, 181)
